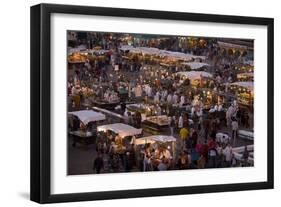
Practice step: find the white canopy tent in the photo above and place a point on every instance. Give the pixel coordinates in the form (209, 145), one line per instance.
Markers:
(249, 85)
(155, 138)
(163, 53)
(121, 129)
(250, 74)
(195, 65)
(93, 51)
(71, 50)
(231, 45)
(158, 139)
(194, 75)
(87, 116)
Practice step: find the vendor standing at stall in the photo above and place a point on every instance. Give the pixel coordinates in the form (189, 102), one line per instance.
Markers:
(75, 92)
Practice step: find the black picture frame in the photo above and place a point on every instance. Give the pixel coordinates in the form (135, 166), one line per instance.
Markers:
(41, 95)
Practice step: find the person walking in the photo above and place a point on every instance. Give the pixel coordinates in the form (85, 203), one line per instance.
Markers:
(98, 164)
(201, 162)
(206, 129)
(184, 134)
(128, 162)
(172, 126)
(227, 152)
(212, 158)
(180, 122)
(234, 125)
(245, 156)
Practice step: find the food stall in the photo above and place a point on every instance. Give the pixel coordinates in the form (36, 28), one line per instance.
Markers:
(83, 135)
(87, 116)
(95, 54)
(157, 55)
(195, 65)
(245, 92)
(87, 94)
(245, 76)
(144, 109)
(246, 68)
(124, 132)
(162, 145)
(155, 138)
(76, 57)
(109, 100)
(234, 47)
(156, 123)
(196, 77)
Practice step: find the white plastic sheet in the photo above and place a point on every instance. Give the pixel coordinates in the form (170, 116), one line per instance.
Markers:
(163, 53)
(195, 65)
(194, 75)
(155, 138)
(121, 129)
(87, 116)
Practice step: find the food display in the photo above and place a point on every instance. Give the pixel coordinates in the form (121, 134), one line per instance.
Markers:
(197, 78)
(244, 91)
(87, 92)
(245, 76)
(155, 55)
(146, 109)
(245, 98)
(158, 120)
(244, 68)
(77, 58)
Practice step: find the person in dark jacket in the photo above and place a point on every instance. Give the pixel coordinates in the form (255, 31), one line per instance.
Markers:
(128, 162)
(98, 164)
(245, 156)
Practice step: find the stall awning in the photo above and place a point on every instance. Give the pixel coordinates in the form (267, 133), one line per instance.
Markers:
(195, 65)
(248, 84)
(121, 129)
(71, 50)
(231, 45)
(163, 53)
(194, 75)
(241, 75)
(87, 116)
(155, 138)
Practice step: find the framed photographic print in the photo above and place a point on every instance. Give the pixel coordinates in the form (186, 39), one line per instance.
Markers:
(132, 103)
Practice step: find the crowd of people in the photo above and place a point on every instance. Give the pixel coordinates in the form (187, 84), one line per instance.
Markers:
(195, 114)
(116, 156)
